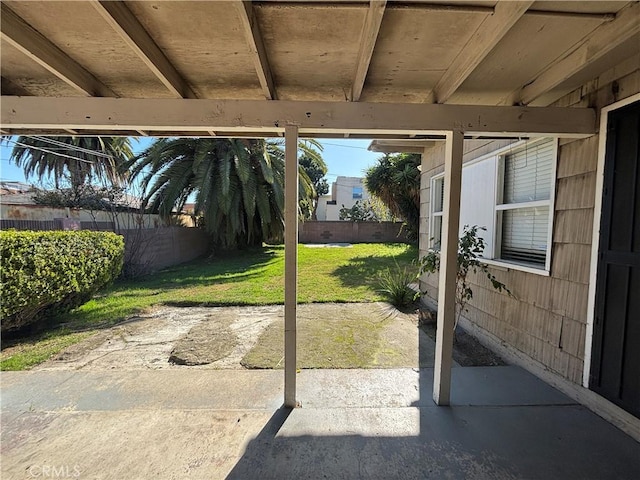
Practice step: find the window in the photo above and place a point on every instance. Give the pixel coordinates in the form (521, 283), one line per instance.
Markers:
(357, 193)
(510, 193)
(437, 207)
(524, 203)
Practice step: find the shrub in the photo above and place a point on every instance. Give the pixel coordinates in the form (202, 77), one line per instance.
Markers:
(394, 284)
(46, 273)
(470, 248)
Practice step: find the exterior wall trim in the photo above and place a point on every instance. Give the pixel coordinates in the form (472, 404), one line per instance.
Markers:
(595, 244)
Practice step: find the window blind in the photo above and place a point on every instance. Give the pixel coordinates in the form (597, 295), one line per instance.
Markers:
(525, 234)
(527, 173)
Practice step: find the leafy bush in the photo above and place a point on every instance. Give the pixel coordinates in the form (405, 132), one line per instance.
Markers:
(359, 212)
(394, 284)
(470, 248)
(46, 273)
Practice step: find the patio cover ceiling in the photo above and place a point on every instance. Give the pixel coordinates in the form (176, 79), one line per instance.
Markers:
(345, 62)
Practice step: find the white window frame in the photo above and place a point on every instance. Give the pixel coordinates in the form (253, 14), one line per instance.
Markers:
(491, 257)
(501, 207)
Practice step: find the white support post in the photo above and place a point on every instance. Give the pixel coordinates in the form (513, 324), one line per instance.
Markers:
(448, 268)
(290, 263)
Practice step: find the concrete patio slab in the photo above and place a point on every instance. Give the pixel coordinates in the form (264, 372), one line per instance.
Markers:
(209, 424)
(477, 386)
(551, 442)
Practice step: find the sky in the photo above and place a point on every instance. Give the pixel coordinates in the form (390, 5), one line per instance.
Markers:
(343, 157)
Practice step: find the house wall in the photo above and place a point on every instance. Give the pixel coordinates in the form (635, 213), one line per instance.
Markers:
(547, 319)
(321, 212)
(342, 195)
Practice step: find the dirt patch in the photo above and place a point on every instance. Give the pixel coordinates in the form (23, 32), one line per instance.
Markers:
(219, 336)
(467, 351)
(204, 344)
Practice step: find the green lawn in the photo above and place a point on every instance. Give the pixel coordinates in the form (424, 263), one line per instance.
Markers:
(244, 278)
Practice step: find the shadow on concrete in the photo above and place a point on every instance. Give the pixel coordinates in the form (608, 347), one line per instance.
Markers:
(504, 423)
(484, 442)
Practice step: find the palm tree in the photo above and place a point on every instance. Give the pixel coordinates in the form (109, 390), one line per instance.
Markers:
(82, 159)
(316, 169)
(238, 185)
(395, 180)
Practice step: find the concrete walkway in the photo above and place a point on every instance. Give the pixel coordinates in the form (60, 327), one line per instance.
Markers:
(208, 424)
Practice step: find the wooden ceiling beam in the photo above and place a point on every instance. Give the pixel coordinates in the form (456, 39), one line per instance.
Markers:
(120, 18)
(257, 48)
(483, 40)
(605, 17)
(152, 115)
(602, 41)
(367, 44)
(36, 46)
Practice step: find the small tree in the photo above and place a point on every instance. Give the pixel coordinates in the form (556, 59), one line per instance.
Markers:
(395, 179)
(359, 212)
(470, 247)
(312, 163)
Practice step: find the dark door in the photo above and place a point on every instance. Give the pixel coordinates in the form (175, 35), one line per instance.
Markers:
(615, 367)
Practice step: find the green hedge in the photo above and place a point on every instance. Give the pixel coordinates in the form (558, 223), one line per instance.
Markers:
(46, 273)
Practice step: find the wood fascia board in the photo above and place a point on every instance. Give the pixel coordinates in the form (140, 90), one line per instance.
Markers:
(257, 48)
(484, 39)
(272, 116)
(39, 49)
(367, 44)
(120, 18)
(603, 39)
(396, 149)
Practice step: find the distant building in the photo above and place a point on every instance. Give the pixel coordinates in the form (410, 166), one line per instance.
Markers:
(345, 191)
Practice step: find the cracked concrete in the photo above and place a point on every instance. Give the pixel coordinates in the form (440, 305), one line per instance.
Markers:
(205, 333)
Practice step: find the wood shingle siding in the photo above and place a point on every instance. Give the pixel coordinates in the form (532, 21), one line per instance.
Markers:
(547, 317)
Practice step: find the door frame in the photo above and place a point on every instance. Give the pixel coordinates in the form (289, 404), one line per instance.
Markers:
(595, 239)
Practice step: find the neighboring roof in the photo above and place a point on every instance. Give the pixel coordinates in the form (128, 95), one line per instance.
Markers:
(467, 52)
(16, 198)
(8, 187)
(16, 193)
